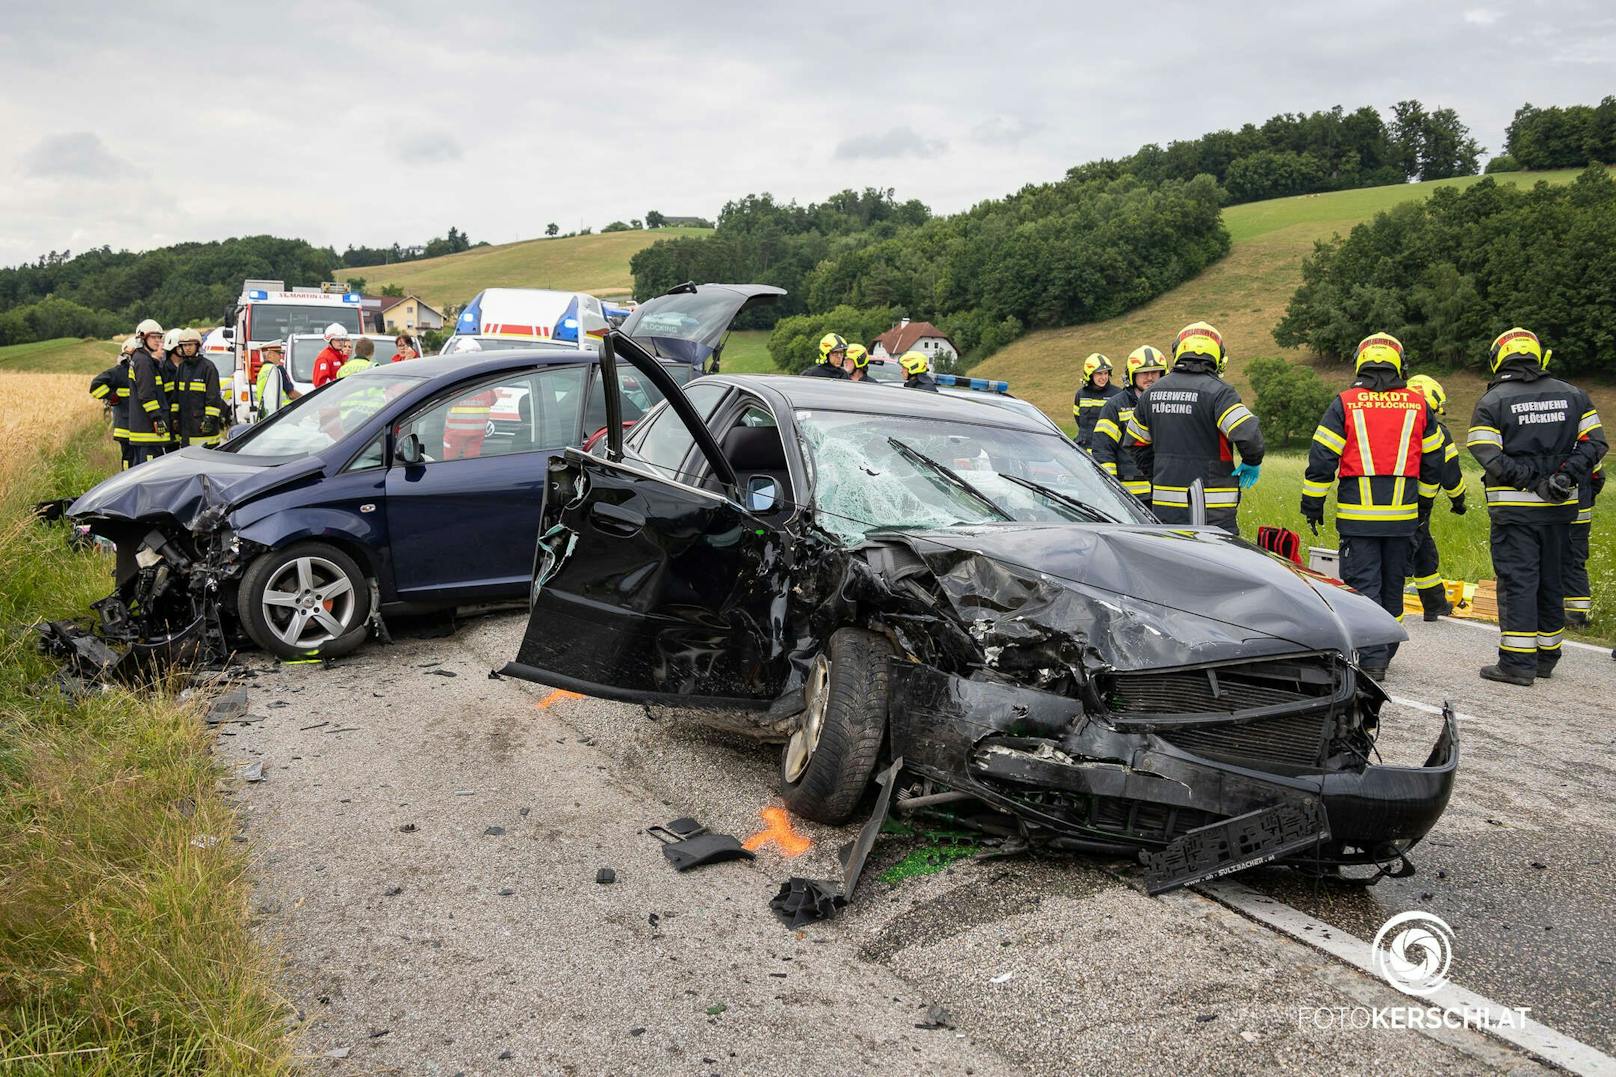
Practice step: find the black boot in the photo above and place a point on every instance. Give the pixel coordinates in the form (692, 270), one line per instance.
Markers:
(1545, 668)
(1446, 609)
(1506, 675)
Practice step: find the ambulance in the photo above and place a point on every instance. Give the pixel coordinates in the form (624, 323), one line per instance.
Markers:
(505, 318)
(268, 310)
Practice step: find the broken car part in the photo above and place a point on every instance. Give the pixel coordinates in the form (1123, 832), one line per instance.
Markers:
(802, 901)
(687, 844)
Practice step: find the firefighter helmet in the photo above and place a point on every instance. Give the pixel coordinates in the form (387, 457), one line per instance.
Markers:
(1093, 365)
(913, 363)
(1143, 359)
(858, 355)
(1432, 390)
(830, 342)
(334, 331)
(147, 328)
(1517, 341)
(171, 340)
(129, 345)
(1200, 338)
(1379, 348)
(189, 336)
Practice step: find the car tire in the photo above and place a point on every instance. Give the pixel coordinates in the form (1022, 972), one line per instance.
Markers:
(284, 592)
(826, 766)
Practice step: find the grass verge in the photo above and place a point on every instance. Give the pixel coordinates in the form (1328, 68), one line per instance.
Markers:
(63, 355)
(125, 944)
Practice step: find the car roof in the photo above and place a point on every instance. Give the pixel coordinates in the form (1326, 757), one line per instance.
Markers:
(837, 395)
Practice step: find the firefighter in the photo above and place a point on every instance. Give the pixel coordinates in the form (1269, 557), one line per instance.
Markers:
(1383, 434)
(1426, 559)
(197, 403)
(1143, 366)
(1092, 397)
(364, 349)
(832, 351)
(1187, 428)
(111, 387)
(917, 372)
(170, 374)
(332, 356)
(857, 363)
(1537, 440)
(1579, 593)
(274, 389)
(148, 405)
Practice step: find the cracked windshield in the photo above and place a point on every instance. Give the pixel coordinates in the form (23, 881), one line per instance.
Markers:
(878, 472)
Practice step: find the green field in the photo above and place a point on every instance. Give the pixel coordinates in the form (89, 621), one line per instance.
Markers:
(64, 355)
(1244, 295)
(747, 352)
(597, 264)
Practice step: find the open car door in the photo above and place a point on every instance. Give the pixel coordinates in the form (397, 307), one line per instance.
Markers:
(690, 322)
(649, 588)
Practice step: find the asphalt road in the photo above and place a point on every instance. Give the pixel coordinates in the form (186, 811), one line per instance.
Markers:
(427, 849)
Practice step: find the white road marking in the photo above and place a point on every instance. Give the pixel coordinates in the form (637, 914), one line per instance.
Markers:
(1428, 708)
(1494, 629)
(1528, 1035)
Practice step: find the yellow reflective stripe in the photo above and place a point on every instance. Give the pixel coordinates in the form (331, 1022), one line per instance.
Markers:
(1389, 513)
(1089, 402)
(1508, 495)
(1109, 429)
(1517, 642)
(1137, 487)
(151, 405)
(1222, 499)
(1422, 582)
(1314, 489)
(1450, 453)
(1109, 467)
(1162, 495)
(210, 410)
(99, 391)
(145, 438)
(1330, 439)
(1232, 417)
(1585, 516)
(1075, 409)
(1455, 491)
(1138, 430)
(1429, 489)
(1484, 435)
(1580, 604)
(1549, 641)
(1402, 443)
(1360, 427)
(1432, 442)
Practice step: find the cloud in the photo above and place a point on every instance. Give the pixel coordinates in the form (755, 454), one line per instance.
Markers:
(428, 148)
(1005, 130)
(1482, 16)
(898, 142)
(74, 155)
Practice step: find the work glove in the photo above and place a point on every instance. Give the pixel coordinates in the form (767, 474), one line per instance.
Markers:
(1557, 487)
(1247, 475)
(1457, 505)
(210, 425)
(1313, 511)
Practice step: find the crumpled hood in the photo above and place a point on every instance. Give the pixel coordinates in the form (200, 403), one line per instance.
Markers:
(196, 486)
(1145, 597)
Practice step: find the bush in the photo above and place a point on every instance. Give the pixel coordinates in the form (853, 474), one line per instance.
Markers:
(1290, 400)
(794, 343)
(51, 318)
(1503, 163)
(618, 226)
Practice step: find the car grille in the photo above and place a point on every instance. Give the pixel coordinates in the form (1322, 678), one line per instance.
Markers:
(1193, 692)
(1297, 739)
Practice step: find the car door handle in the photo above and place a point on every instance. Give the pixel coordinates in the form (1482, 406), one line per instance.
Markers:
(609, 517)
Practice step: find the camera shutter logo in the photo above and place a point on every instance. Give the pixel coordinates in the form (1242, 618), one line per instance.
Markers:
(1412, 952)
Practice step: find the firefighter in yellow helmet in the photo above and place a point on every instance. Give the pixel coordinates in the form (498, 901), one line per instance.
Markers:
(1382, 439)
(832, 353)
(917, 371)
(1426, 566)
(198, 404)
(1186, 431)
(1538, 441)
(1110, 444)
(1092, 396)
(111, 387)
(857, 362)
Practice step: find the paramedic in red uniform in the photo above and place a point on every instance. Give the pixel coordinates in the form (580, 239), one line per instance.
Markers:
(332, 356)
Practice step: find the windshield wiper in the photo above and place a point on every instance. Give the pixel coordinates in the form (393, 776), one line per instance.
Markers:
(916, 456)
(1082, 508)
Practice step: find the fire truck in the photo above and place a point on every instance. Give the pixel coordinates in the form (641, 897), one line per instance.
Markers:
(268, 310)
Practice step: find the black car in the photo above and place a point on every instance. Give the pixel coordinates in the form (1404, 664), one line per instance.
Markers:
(857, 571)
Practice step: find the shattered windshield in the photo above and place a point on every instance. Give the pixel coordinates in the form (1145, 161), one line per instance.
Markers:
(325, 416)
(880, 472)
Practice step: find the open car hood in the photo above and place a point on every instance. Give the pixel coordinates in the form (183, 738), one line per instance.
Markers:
(196, 487)
(1146, 597)
(657, 321)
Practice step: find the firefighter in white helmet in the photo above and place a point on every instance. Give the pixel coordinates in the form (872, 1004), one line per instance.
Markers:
(148, 404)
(333, 355)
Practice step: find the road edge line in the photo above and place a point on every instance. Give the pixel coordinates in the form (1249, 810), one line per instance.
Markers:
(1533, 1037)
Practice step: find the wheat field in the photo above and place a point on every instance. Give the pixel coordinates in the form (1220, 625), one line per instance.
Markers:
(38, 414)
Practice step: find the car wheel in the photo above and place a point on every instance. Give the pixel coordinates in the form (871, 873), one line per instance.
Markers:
(307, 601)
(826, 765)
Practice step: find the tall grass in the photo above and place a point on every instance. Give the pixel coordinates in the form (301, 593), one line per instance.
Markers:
(124, 933)
(1462, 541)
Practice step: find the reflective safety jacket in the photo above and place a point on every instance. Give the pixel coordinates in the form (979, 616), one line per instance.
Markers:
(273, 389)
(1186, 428)
(1587, 492)
(1086, 408)
(1453, 480)
(1528, 426)
(197, 397)
(1384, 442)
(147, 401)
(111, 387)
(1113, 447)
(354, 366)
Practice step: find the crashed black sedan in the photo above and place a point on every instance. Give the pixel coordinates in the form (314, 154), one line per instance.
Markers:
(863, 571)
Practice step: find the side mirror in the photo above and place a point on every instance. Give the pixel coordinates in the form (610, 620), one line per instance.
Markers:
(762, 494)
(231, 432)
(227, 333)
(410, 451)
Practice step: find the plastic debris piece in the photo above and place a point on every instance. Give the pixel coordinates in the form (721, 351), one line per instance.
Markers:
(493, 831)
(1002, 978)
(253, 772)
(605, 875)
(936, 1017)
(704, 849)
(229, 707)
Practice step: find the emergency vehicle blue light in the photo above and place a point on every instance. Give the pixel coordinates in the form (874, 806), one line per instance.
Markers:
(567, 327)
(350, 297)
(257, 293)
(981, 385)
(471, 317)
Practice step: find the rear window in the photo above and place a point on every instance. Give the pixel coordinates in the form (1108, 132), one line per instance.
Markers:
(277, 321)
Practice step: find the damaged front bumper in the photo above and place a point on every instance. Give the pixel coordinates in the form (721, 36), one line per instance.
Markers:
(1196, 795)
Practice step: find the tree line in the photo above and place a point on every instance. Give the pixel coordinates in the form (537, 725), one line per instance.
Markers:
(1570, 137)
(1447, 274)
(453, 242)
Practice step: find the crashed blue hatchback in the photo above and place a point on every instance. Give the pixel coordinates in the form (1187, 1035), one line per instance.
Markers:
(871, 575)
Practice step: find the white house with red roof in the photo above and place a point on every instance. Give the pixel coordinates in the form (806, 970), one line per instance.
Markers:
(908, 336)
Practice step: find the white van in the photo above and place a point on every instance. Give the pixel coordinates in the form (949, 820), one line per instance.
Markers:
(507, 318)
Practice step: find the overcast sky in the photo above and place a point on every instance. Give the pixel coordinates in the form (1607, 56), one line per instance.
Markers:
(138, 125)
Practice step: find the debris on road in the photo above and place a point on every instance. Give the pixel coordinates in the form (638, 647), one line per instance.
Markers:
(493, 831)
(605, 875)
(253, 772)
(1002, 978)
(936, 1017)
(687, 844)
(229, 707)
(802, 901)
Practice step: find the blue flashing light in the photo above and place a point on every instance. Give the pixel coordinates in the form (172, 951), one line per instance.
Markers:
(981, 385)
(257, 293)
(567, 327)
(471, 319)
(350, 297)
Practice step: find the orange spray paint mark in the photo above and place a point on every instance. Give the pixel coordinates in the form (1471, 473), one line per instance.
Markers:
(778, 831)
(557, 696)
